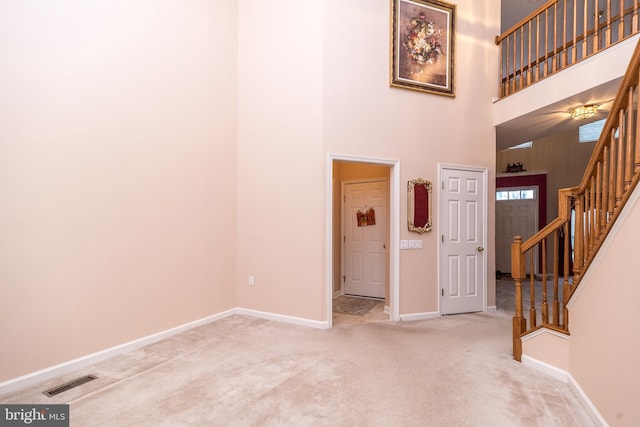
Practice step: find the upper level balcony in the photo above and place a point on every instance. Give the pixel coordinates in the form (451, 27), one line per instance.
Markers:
(565, 54)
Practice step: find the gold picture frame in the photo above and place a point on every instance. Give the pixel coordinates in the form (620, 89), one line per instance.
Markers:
(423, 46)
(419, 205)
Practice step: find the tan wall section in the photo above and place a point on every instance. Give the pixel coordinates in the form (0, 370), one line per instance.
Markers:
(366, 117)
(562, 156)
(117, 173)
(604, 329)
(281, 188)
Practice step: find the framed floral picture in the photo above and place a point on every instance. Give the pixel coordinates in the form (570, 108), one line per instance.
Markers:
(423, 46)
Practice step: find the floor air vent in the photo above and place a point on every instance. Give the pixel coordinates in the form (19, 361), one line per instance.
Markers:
(68, 386)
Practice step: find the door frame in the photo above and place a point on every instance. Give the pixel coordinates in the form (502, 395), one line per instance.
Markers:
(394, 230)
(343, 219)
(485, 226)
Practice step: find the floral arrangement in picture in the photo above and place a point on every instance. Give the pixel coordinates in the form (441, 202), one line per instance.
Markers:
(422, 40)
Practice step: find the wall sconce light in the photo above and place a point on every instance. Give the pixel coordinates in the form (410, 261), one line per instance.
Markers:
(584, 112)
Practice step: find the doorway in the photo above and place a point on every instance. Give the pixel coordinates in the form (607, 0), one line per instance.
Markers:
(516, 215)
(463, 228)
(347, 170)
(536, 181)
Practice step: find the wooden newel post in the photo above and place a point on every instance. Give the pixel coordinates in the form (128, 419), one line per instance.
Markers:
(518, 274)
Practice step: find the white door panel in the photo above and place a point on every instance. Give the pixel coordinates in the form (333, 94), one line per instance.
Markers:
(364, 246)
(462, 252)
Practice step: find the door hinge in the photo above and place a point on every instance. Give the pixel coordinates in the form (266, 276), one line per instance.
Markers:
(443, 185)
(344, 279)
(442, 291)
(344, 238)
(344, 199)
(442, 238)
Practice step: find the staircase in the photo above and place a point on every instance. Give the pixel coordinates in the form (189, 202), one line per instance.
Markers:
(586, 214)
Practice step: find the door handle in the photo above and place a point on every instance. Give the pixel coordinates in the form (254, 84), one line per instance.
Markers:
(480, 249)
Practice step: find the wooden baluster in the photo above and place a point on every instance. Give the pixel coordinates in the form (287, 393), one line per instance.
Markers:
(546, 42)
(628, 167)
(607, 33)
(605, 188)
(556, 274)
(537, 58)
(574, 51)
(591, 214)
(503, 92)
(515, 62)
(519, 323)
(585, 29)
(565, 279)
(596, 28)
(597, 214)
(621, 22)
(634, 17)
(529, 54)
(554, 63)
(533, 316)
(545, 305)
(636, 143)
(620, 162)
(523, 82)
(611, 203)
(564, 35)
(578, 240)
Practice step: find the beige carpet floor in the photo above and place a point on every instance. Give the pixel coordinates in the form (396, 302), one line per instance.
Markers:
(243, 371)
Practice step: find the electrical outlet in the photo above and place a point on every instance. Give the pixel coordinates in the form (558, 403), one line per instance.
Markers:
(250, 280)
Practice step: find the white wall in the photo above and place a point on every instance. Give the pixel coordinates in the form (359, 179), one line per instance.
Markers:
(117, 172)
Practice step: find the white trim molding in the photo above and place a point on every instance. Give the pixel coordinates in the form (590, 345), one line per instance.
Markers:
(283, 318)
(419, 316)
(567, 378)
(80, 362)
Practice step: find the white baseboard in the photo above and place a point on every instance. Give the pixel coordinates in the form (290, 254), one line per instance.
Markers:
(588, 405)
(419, 316)
(336, 294)
(546, 368)
(24, 381)
(492, 309)
(283, 318)
(76, 364)
(387, 310)
(566, 377)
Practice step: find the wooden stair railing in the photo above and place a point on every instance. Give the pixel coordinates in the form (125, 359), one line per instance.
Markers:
(586, 212)
(561, 33)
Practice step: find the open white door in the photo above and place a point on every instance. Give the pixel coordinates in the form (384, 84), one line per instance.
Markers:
(364, 243)
(463, 228)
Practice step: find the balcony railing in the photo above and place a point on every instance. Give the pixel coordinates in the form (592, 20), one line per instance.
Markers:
(559, 34)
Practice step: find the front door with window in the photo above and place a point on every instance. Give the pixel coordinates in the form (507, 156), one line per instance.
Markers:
(516, 215)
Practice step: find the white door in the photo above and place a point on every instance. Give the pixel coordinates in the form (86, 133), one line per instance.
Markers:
(463, 228)
(364, 270)
(516, 215)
